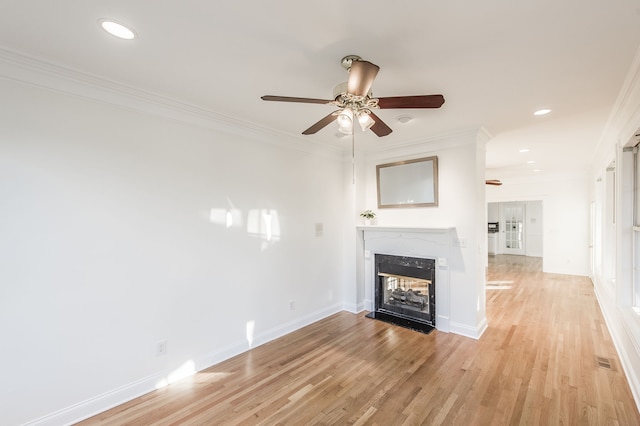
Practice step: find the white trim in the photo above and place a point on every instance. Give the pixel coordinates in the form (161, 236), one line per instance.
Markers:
(465, 330)
(355, 308)
(439, 142)
(400, 228)
(99, 403)
(631, 324)
(428, 243)
(122, 394)
(625, 114)
(36, 72)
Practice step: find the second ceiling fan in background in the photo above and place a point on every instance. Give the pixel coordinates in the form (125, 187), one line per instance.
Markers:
(356, 102)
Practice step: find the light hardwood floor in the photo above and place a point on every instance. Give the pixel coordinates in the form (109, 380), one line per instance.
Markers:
(538, 363)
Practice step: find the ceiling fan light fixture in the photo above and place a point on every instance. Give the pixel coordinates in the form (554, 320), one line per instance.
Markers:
(365, 120)
(345, 130)
(345, 118)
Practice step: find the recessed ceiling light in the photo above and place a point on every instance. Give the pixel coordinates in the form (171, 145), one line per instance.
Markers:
(117, 29)
(524, 150)
(536, 170)
(404, 118)
(542, 111)
(530, 161)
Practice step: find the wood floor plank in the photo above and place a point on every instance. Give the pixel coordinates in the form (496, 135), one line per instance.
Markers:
(537, 363)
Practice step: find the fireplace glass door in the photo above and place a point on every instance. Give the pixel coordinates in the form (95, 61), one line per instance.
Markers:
(405, 292)
(405, 287)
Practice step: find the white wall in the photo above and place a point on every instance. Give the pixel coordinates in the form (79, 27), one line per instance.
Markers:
(534, 228)
(461, 205)
(613, 262)
(115, 237)
(493, 212)
(565, 218)
(533, 225)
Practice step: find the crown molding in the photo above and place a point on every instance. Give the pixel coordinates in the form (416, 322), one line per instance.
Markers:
(37, 72)
(443, 141)
(483, 135)
(624, 119)
(516, 177)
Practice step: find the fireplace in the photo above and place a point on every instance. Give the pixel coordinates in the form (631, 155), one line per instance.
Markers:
(405, 291)
(425, 243)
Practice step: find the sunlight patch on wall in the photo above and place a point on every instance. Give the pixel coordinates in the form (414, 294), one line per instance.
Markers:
(226, 217)
(185, 370)
(261, 223)
(251, 328)
(264, 224)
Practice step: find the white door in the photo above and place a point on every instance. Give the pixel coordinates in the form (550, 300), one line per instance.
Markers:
(514, 228)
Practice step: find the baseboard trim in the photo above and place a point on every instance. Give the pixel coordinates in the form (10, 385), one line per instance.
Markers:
(443, 324)
(230, 351)
(353, 308)
(619, 328)
(468, 331)
(100, 403)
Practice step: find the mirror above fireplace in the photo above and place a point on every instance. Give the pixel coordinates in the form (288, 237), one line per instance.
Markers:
(410, 183)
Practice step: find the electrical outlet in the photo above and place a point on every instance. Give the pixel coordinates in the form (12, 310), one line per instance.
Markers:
(161, 348)
(292, 305)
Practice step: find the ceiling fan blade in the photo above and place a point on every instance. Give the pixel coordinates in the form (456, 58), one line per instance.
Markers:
(420, 101)
(496, 182)
(322, 123)
(361, 76)
(379, 127)
(291, 99)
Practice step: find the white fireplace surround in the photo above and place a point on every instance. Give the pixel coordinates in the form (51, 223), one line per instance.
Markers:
(428, 243)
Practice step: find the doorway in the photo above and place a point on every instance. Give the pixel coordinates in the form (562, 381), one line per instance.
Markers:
(520, 224)
(514, 232)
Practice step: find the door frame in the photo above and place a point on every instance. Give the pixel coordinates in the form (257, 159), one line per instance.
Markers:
(510, 250)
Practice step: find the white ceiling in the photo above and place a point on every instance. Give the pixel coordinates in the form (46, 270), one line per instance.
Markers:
(495, 61)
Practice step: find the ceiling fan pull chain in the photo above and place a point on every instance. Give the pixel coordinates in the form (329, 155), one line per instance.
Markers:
(353, 156)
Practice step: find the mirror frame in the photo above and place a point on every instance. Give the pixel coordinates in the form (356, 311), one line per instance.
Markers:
(433, 178)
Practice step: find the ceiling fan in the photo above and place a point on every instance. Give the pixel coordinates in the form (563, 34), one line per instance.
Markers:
(356, 102)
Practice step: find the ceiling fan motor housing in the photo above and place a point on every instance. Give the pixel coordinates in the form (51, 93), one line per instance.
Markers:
(340, 90)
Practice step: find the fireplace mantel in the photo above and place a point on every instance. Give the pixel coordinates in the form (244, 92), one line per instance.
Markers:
(430, 243)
